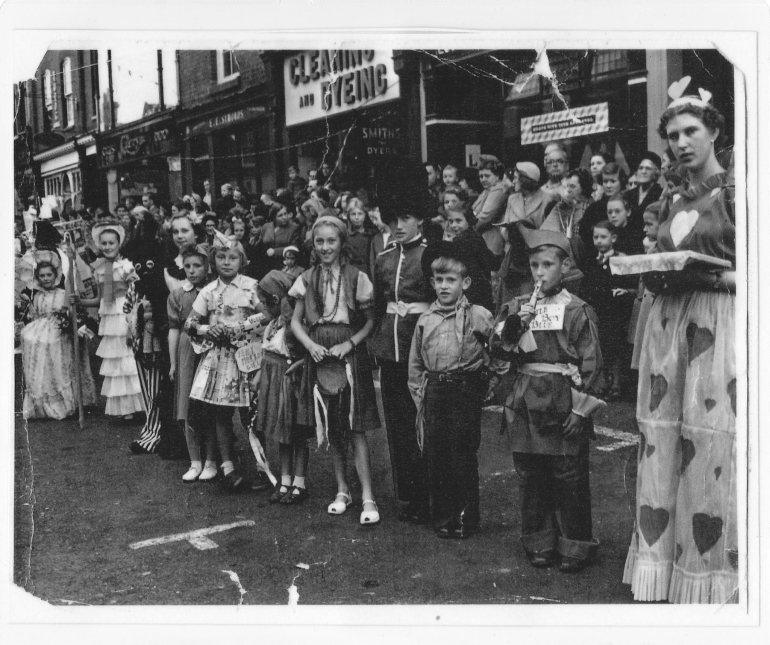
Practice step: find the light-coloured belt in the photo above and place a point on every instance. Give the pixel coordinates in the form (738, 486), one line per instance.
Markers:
(403, 308)
(539, 369)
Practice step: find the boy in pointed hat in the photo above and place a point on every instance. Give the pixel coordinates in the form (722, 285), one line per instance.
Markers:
(551, 338)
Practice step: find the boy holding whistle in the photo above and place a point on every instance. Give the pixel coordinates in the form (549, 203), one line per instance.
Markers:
(551, 339)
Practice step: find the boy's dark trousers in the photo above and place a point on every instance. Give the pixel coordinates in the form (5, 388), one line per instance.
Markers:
(452, 407)
(551, 483)
(406, 462)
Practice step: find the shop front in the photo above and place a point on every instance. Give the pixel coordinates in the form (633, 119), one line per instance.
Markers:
(355, 110)
(142, 158)
(230, 143)
(493, 102)
(68, 173)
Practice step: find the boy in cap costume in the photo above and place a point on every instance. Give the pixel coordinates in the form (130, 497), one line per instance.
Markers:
(551, 338)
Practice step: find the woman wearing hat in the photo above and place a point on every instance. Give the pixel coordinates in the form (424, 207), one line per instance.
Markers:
(647, 191)
(527, 204)
(113, 274)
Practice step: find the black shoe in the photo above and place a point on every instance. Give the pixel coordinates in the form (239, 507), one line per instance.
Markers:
(413, 515)
(455, 532)
(277, 494)
(292, 497)
(138, 449)
(541, 559)
(234, 482)
(571, 565)
(262, 482)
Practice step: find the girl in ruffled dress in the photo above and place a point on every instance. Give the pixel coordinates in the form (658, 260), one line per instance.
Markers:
(48, 352)
(113, 274)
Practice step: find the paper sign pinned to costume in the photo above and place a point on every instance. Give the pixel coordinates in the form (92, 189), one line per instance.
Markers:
(548, 318)
(249, 357)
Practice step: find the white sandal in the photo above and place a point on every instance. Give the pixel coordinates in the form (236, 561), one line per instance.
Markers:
(192, 474)
(370, 517)
(338, 506)
(209, 472)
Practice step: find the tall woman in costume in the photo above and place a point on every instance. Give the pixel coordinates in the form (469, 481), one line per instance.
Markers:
(685, 544)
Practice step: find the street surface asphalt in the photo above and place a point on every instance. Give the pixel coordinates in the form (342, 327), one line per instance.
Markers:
(82, 500)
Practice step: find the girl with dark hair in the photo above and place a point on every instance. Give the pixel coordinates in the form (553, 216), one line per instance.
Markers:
(613, 179)
(685, 543)
(597, 163)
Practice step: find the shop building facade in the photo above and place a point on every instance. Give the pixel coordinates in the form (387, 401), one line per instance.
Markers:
(59, 113)
(230, 125)
(355, 110)
(141, 157)
(491, 102)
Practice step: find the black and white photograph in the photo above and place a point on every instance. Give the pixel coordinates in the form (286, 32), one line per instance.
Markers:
(452, 330)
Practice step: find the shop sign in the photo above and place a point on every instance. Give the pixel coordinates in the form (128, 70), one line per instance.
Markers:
(381, 141)
(577, 122)
(225, 120)
(322, 83)
(155, 139)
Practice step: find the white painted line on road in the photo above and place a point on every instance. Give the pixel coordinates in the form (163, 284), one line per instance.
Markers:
(197, 538)
(622, 439)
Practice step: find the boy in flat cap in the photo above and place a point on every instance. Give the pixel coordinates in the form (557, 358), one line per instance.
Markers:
(450, 373)
(550, 336)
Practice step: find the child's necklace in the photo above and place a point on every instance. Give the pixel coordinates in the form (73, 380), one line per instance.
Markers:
(321, 291)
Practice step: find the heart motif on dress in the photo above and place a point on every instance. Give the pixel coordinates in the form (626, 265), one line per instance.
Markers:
(682, 224)
(706, 531)
(642, 445)
(650, 450)
(658, 389)
(663, 323)
(688, 452)
(652, 521)
(699, 340)
(709, 403)
(718, 472)
(731, 393)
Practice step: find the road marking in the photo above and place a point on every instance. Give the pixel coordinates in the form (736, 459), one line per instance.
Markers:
(197, 538)
(622, 439)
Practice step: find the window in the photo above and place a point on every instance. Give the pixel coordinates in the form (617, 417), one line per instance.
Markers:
(227, 65)
(609, 60)
(68, 102)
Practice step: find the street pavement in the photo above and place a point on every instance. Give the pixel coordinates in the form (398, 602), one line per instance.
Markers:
(97, 525)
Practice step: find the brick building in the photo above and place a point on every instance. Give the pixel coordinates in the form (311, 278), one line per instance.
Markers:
(231, 120)
(57, 118)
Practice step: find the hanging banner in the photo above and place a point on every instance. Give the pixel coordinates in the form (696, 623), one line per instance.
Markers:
(577, 122)
(325, 82)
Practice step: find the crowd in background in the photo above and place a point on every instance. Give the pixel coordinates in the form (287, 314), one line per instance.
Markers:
(321, 273)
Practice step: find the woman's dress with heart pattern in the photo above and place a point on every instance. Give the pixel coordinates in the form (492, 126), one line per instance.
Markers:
(685, 543)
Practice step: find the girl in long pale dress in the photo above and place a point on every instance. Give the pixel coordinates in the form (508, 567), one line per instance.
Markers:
(685, 544)
(48, 352)
(113, 274)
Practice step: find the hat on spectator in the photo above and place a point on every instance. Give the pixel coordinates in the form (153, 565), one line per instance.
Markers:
(651, 156)
(529, 169)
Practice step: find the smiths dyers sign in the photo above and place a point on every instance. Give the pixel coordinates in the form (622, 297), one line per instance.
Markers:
(326, 82)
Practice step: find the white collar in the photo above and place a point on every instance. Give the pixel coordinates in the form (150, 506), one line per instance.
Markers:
(188, 286)
(236, 282)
